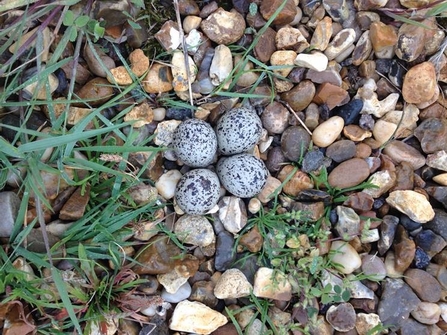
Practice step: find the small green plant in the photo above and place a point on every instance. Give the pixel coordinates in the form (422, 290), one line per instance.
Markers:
(82, 22)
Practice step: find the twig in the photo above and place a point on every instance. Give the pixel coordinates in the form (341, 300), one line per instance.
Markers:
(185, 50)
(296, 116)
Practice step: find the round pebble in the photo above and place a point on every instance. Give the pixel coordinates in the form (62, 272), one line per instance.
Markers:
(328, 131)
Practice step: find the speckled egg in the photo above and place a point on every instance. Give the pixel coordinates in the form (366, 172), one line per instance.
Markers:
(195, 143)
(243, 175)
(197, 191)
(238, 131)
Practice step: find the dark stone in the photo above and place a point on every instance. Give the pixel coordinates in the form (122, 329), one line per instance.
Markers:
(412, 327)
(313, 160)
(432, 134)
(409, 224)
(430, 242)
(297, 74)
(396, 73)
(34, 122)
(309, 6)
(294, 142)
(396, 303)
(439, 193)
(439, 223)
(247, 265)
(313, 195)
(341, 151)
(241, 6)
(387, 233)
(225, 253)
(349, 112)
(62, 79)
(275, 159)
(383, 66)
(178, 113)
(421, 259)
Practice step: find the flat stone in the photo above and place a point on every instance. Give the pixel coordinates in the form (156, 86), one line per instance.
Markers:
(341, 151)
(96, 91)
(331, 95)
(426, 287)
(232, 284)
(400, 152)
(294, 142)
(419, 83)
(413, 204)
(345, 256)
(223, 27)
(232, 214)
(158, 79)
(272, 284)
(396, 303)
(349, 173)
(74, 208)
(328, 131)
(359, 201)
(225, 254)
(438, 160)
(427, 313)
(300, 96)
(311, 211)
(9, 206)
(430, 242)
(340, 43)
(432, 134)
(289, 38)
(195, 317)
(322, 34)
(142, 114)
(356, 133)
(362, 49)
(342, 317)
(298, 181)
(373, 266)
(195, 230)
(266, 46)
(285, 16)
(316, 61)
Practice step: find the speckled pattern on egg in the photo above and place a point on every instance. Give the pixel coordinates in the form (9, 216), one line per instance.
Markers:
(238, 131)
(195, 143)
(243, 175)
(197, 191)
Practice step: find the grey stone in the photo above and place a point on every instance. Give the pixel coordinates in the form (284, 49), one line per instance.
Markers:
(387, 232)
(225, 254)
(9, 207)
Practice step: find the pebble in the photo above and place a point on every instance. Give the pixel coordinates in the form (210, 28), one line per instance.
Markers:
(384, 180)
(411, 41)
(427, 313)
(322, 34)
(331, 95)
(285, 16)
(297, 182)
(365, 322)
(252, 240)
(383, 39)
(167, 183)
(313, 161)
(400, 152)
(419, 83)
(356, 133)
(316, 61)
(142, 114)
(373, 266)
(342, 317)
(359, 201)
(158, 79)
(405, 120)
(275, 118)
(98, 68)
(195, 317)
(404, 250)
(348, 224)
(441, 179)
(221, 66)
(345, 256)
(76, 205)
(180, 71)
(232, 214)
(272, 186)
(225, 254)
(438, 160)
(294, 142)
(285, 60)
(195, 230)
(349, 173)
(350, 112)
(340, 43)
(328, 131)
(413, 204)
(272, 284)
(300, 96)
(384, 131)
(175, 288)
(396, 303)
(438, 193)
(169, 36)
(223, 27)
(97, 91)
(9, 206)
(341, 151)
(432, 134)
(266, 46)
(232, 284)
(119, 76)
(289, 38)
(424, 285)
